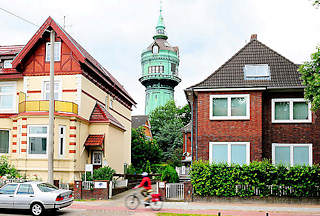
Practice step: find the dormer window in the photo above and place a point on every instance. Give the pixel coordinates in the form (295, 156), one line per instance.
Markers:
(155, 49)
(57, 51)
(7, 63)
(256, 71)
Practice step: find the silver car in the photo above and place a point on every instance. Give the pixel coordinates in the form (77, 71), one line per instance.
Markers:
(36, 196)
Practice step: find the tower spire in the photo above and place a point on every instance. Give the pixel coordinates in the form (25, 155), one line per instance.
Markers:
(160, 28)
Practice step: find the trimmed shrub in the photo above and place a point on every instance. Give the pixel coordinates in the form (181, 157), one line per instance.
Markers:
(270, 180)
(170, 175)
(103, 173)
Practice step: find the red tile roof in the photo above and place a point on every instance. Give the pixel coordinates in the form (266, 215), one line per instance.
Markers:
(94, 140)
(82, 55)
(10, 49)
(100, 114)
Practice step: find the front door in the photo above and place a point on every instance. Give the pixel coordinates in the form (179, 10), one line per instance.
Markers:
(97, 159)
(6, 195)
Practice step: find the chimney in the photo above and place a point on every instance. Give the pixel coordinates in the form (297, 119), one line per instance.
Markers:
(253, 37)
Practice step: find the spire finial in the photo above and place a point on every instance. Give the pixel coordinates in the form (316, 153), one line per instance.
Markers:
(160, 29)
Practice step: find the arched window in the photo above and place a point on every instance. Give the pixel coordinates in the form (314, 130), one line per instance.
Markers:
(155, 49)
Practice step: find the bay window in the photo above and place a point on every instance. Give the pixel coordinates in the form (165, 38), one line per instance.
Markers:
(292, 154)
(291, 110)
(37, 139)
(229, 152)
(229, 107)
(8, 97)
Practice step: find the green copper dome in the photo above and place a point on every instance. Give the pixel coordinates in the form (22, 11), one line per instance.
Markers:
(160, 29)
(160, 63)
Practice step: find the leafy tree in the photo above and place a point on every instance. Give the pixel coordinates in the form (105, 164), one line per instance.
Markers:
(144, 151)
(185, 114)
(7, 169)
(311, 78)
(166, 123)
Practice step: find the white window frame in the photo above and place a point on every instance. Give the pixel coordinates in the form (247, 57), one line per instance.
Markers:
(229, 150)
(63, 136)
(111, 102)
(155, 49)
(255, 66)
(44, 91)
(274, 145)
(291, 120)
(229, 117)
(13, 109)
(57, 56)
(93, 153)
(37, 135)
(7, 63)
(9, 141)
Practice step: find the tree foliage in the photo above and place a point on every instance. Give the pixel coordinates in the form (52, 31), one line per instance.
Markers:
(143, 150)
(7, 169)
(316, 3)
(311, 78)
(166, 123)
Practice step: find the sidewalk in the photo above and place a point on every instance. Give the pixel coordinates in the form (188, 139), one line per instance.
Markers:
(116, 204)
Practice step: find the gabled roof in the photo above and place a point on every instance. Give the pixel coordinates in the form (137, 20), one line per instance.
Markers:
(283, 72)
(10, 49)
(82, 55)
(100, 114)
(94, 140)
(139, 120)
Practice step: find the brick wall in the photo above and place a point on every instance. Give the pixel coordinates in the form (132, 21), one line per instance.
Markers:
(229, 130)
(96, 193)
(289, 132)
(186, 141)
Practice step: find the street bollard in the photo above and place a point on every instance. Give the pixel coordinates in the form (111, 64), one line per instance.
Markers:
(219, 214)
(267, 214)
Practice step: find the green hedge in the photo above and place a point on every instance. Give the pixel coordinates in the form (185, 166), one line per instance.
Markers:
(264, 177)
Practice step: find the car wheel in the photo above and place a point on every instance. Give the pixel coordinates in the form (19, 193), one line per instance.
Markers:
(37, 209)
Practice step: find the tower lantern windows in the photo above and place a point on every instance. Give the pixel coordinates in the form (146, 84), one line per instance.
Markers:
(156, 69)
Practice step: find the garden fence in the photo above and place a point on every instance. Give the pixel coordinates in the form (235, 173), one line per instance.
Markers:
(175, 191)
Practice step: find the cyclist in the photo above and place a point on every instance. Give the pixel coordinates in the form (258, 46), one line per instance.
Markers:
(147, 189)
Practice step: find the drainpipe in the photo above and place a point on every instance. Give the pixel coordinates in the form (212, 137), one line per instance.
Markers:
(189, 96)
(196, 125)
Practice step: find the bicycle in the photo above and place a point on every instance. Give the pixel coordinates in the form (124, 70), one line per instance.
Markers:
(133, 201)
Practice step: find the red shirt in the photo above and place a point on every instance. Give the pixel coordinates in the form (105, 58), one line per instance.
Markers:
(146, 183)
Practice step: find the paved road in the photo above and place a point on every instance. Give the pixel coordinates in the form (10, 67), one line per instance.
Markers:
(115, 207)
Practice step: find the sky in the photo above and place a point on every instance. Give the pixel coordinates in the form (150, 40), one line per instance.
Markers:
(207, 32)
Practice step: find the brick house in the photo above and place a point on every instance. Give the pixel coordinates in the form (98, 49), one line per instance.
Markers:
(251, 108)
(142, 121)
(92, 109)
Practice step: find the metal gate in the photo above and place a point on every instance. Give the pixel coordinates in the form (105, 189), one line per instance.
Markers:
(175, 191)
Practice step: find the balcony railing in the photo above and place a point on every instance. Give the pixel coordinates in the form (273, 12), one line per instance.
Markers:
(43, 106)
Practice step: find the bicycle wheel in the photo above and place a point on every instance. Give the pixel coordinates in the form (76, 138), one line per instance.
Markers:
(156, 206)
(132, 202)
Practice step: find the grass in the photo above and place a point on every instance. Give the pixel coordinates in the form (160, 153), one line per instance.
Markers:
(92, 199)
(174, 214)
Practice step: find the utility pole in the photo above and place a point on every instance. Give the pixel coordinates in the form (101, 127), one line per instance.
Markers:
(51, 110)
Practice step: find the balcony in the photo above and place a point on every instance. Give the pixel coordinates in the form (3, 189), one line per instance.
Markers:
(43, 106)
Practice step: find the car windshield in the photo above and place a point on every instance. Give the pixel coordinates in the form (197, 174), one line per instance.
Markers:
(45, 187)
